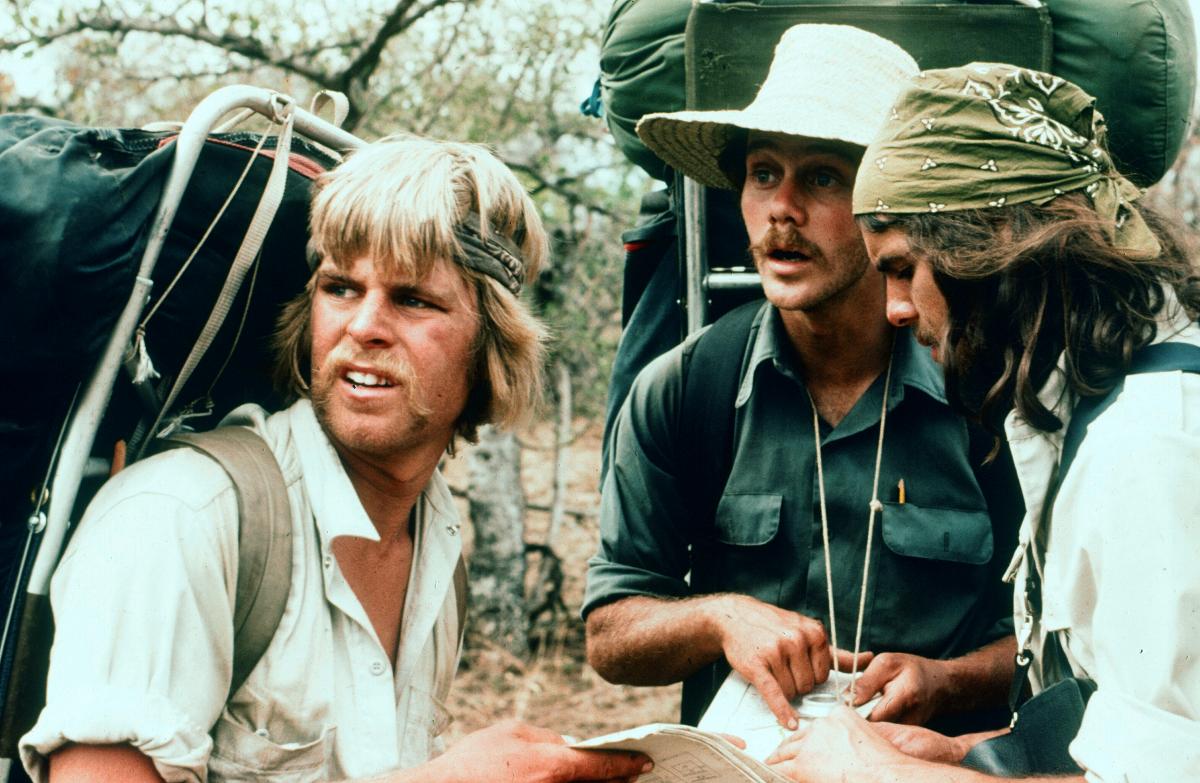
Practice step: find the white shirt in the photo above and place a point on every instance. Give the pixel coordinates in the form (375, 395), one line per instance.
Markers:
(1121, 571)
(143, 602)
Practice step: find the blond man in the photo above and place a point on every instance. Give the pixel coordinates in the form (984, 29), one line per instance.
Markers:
(410, 334)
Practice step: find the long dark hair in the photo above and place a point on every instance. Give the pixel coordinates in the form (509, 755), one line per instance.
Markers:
(1027, 283)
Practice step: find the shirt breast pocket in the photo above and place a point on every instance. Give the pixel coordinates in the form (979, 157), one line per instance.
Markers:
(244, 755)
(744, 527)
(932, 578)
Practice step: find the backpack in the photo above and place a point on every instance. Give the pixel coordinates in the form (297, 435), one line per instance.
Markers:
(110, 233)
(1137, 58)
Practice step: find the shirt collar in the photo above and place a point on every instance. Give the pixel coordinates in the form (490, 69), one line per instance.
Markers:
(913, 366)
(334, 502)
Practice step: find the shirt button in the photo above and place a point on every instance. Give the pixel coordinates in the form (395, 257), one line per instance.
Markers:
(328, 561)
(262, 733)
(377, 667)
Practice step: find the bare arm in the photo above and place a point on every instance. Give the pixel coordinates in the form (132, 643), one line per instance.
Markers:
(844, 747)
(102, 764)
(653, 641)
(915, 689)
(507, 753)
(514, 752)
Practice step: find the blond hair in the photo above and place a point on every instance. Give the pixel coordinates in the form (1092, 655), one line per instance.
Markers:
(401, 201)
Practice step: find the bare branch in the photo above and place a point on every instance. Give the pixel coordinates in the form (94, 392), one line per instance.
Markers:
(250, 48)
(563, 187)
(353, 80)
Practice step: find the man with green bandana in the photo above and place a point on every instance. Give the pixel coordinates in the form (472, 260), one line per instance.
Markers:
(1065, 313)
(844, 457)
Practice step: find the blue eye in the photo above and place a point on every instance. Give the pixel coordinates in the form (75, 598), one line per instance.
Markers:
(823, 179)
(406, 300)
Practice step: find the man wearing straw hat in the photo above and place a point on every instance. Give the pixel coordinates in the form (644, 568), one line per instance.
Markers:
(854, 515)
(1065, 315)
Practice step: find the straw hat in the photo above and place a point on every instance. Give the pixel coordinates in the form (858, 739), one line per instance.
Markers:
(827, 81)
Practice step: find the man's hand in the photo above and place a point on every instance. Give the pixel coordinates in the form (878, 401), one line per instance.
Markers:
(781, 653)
(912, 688)
(514, 752)
(924, 743)
(836, 748)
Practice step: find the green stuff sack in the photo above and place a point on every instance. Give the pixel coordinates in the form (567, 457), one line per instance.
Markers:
(1138, 57)
(641, 71)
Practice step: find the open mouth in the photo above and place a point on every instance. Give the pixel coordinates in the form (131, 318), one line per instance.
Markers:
(359, 378)
(781, 254)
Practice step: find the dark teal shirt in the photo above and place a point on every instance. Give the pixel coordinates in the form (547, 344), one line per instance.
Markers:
(936, 559)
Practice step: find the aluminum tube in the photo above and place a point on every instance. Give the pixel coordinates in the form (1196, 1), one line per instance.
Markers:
(81, 435)
(696, 250)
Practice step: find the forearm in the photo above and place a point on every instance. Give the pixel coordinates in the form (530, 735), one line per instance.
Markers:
(979, 679)
(918, 771)
(656, 641)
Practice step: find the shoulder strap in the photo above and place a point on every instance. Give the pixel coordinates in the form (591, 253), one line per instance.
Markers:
(711, 377)
(264, 575)
(1160, 357)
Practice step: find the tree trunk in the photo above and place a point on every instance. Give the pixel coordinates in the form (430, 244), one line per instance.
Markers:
(497, 606)
(547, 587)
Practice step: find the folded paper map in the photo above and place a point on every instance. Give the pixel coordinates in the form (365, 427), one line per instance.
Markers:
(683, 754)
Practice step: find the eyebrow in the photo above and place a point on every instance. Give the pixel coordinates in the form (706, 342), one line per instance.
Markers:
(816, 147)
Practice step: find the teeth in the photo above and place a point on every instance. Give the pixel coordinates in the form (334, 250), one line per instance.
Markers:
(365, 379)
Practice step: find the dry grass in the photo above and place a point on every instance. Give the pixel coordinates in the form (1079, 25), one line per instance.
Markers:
(557, 689)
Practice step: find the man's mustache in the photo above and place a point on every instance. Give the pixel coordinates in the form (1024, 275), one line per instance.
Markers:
(786, 238)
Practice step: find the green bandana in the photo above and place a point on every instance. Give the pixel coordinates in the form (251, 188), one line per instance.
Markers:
(988, 135)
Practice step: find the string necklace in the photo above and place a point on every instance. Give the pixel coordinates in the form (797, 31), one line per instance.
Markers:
(875, 506)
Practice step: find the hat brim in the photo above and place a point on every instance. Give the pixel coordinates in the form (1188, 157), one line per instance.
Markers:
(692, 142)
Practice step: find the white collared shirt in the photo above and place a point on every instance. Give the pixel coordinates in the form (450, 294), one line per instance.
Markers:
(143, 603)
(1121, 570)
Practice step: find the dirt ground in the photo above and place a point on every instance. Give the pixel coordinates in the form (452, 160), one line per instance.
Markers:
(557, 689)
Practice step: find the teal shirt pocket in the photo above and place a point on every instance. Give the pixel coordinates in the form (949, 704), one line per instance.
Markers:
(740, 555)
(748, 519)
(934, 533)
(932, 585)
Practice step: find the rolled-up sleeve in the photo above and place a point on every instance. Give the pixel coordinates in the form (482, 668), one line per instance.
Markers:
(644, 537)
(143, 617)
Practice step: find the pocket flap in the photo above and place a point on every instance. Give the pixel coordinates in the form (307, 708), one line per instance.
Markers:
(934, 533)
(749, 519)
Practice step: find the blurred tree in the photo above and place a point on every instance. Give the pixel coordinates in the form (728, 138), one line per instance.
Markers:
(507, 73)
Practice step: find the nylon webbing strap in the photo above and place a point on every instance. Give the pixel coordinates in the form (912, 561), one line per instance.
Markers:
(264, 573)
(1160, 357)
(251, 245)
(710, 386)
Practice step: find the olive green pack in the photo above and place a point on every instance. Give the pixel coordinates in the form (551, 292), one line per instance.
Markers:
(1138, 57)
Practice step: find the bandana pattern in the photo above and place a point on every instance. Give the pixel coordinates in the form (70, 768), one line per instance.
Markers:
(989, 135)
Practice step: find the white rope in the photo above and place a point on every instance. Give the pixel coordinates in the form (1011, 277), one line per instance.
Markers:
(874, 507)
(825, 532)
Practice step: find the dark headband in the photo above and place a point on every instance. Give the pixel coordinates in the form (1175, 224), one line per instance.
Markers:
(494, 256)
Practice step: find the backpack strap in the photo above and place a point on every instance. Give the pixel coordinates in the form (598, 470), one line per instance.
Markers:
(1160, 357)
(711, 377)
(264, 575)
